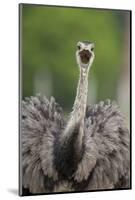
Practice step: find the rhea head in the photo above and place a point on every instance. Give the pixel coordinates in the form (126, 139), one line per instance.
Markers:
(85, 55)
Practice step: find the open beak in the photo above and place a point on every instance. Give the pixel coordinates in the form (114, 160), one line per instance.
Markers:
(85, 56)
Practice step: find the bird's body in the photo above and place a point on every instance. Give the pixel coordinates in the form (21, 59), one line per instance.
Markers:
(89, 151)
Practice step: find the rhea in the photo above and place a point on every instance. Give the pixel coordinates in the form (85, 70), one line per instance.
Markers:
(88, 151)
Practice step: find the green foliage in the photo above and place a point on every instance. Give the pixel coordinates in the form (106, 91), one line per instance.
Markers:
(49, 37)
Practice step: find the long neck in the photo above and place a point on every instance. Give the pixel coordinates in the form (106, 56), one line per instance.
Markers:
(76, 120)
(70, 149)
(79, 107)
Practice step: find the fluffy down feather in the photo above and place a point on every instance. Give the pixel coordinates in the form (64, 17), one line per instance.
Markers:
(105, 160)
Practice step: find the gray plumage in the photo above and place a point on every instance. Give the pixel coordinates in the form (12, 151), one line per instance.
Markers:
(84, 153)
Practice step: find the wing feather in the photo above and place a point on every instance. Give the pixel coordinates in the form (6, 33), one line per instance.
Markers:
(41, 121)
(106, 158)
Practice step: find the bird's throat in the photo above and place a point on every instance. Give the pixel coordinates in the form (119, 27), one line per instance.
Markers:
(79, 108)
(74, 131)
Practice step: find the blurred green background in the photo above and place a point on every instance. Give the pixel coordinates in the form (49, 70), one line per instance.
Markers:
(49, 38)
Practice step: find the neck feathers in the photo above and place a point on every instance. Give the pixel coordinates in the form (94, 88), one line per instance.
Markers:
(79, 107)
(77, 115)
(71, 143)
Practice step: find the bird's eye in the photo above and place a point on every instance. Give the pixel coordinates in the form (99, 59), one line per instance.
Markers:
(78, 47)
(92, 49)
